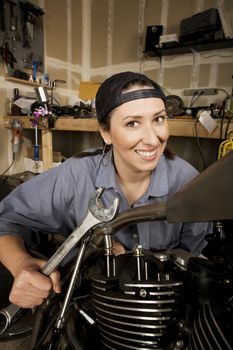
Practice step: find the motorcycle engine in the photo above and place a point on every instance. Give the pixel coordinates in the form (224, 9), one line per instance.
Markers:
(160, 300)
(139, 304)
(140, 300)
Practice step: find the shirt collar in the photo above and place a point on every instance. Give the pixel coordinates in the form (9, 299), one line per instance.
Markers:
(159, 180)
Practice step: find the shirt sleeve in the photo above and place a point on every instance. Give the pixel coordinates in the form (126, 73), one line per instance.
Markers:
(40, 204)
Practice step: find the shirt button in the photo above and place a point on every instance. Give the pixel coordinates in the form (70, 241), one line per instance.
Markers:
(135, 236)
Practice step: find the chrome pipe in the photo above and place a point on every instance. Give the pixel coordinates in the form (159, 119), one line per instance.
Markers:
(6, 316)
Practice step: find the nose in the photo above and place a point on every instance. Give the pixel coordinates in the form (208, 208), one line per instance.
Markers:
(150, 136)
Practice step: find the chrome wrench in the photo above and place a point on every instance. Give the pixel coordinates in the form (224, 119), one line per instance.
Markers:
(96, 214)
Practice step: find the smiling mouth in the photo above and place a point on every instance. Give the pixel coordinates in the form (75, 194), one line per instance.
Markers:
(148, 155)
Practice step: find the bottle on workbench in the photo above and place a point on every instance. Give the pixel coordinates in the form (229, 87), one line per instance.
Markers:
(228, 105)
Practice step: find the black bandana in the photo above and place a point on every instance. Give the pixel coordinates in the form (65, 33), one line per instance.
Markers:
(110, 95)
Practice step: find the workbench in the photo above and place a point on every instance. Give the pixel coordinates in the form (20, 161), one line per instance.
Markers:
(180, 126)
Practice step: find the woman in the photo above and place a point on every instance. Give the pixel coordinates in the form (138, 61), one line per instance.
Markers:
(138, 168)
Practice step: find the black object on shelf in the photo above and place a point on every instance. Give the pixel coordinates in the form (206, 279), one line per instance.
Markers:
(180, 49)
(201, 27)
(152, 37)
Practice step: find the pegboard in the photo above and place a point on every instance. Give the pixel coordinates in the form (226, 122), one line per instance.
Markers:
(21, 38)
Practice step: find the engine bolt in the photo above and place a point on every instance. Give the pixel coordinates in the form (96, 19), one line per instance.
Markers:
(143, 293)
(179, 345)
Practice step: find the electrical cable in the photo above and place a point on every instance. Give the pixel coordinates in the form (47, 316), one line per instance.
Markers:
(225, 91)
(55, 100)
(9, 165)
(214, 55)
(220, 134)
(199, 145)
(193, 100)
(221, 127)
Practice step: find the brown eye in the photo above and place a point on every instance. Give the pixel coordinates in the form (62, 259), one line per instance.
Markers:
(160, 119)
(132, 124)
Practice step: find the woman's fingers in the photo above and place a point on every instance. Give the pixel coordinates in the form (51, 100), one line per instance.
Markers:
(55, 278)
(31, 287)
(118, 248)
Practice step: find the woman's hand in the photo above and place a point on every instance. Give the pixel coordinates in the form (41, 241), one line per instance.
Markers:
(30, 286)
(118, 248)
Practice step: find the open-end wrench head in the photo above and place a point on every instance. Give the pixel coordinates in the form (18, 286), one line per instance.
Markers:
(97, 209)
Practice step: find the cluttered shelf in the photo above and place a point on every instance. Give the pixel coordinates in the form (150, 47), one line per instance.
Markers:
(62, 123)
(179, 126)
(22, 81)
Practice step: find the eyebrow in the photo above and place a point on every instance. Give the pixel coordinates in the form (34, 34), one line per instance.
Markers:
(138, 116)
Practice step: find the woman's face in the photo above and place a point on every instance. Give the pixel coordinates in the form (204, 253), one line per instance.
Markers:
(138, 134)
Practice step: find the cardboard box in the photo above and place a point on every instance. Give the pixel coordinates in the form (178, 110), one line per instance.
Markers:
(88, 90)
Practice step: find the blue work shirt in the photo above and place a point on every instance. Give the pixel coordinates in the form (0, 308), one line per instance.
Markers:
(56, 201)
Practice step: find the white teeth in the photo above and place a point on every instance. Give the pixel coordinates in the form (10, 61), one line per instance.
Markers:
(146, 153)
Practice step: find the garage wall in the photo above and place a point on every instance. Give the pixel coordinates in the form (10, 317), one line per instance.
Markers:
(88, 40)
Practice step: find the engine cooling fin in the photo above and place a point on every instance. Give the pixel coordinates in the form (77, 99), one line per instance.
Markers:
(134, 314)
(208, 332)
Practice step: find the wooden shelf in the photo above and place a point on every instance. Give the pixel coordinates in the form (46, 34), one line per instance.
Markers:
(22, 81)
(62, 123)
(177, 126)
(77, 124)
(181, 127)
(192, 128)
(182, 49)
